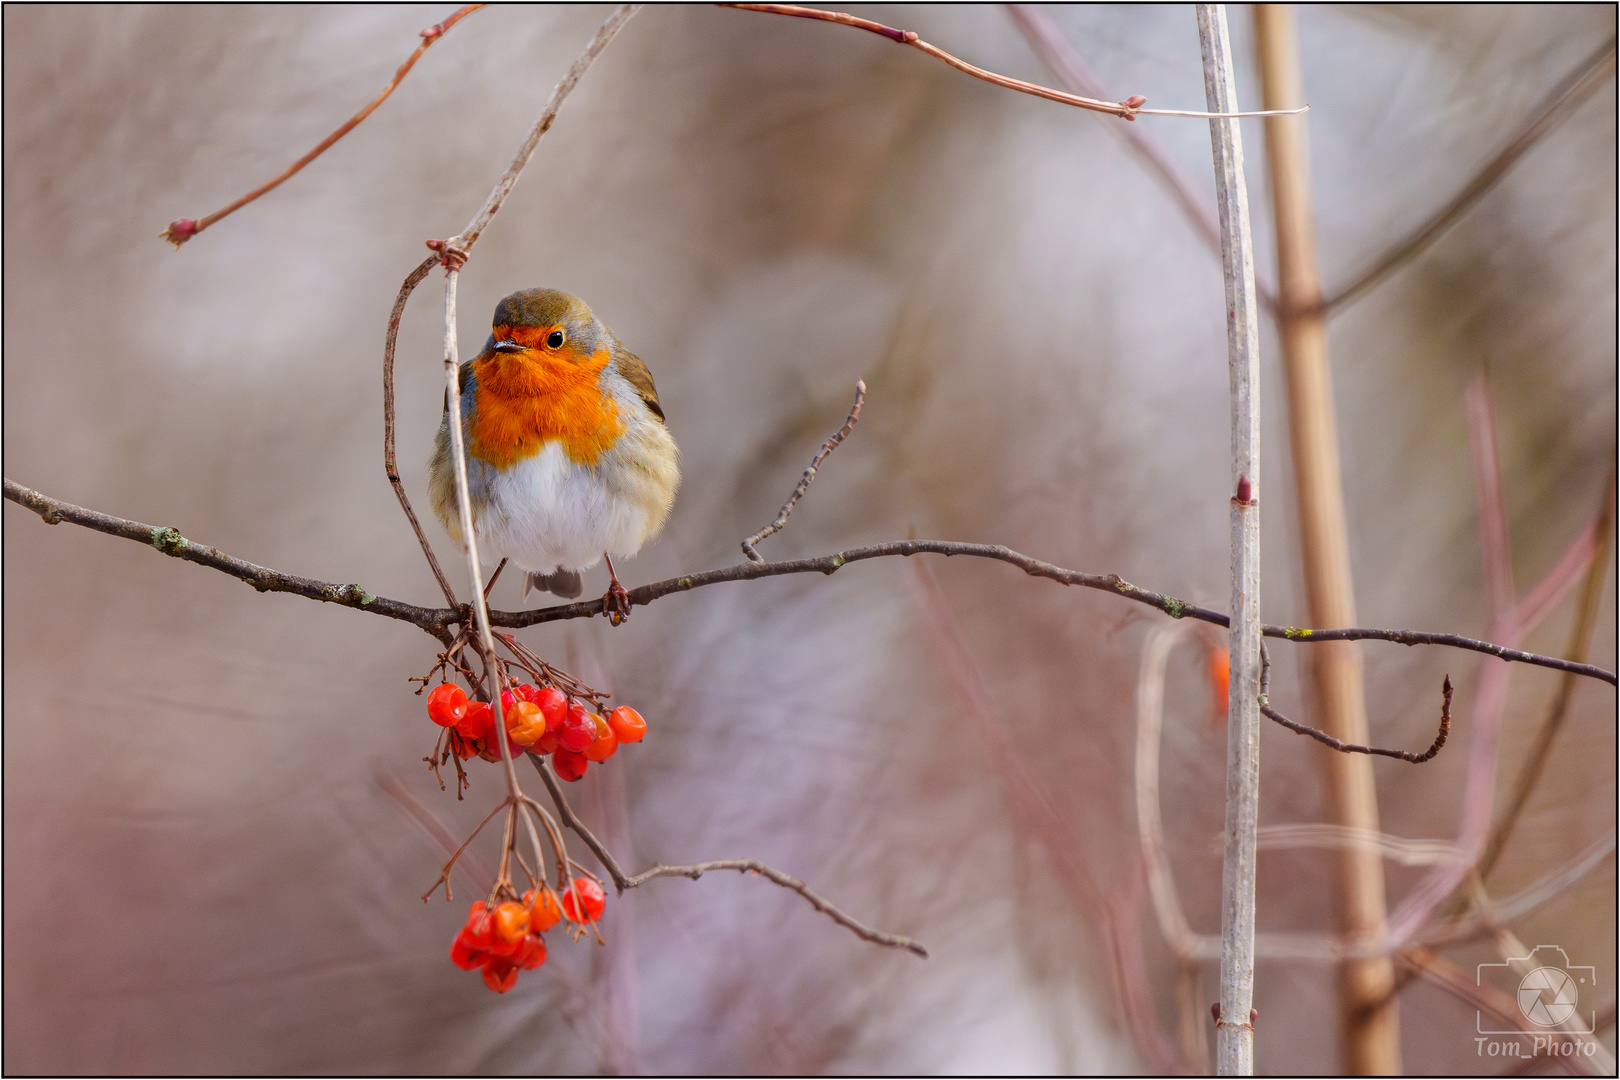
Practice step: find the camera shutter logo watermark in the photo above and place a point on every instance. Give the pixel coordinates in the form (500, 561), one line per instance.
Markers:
(1549, 992)
(1548, 996)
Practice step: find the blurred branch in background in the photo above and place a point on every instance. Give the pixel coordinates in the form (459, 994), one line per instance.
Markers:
(1580, 643)
(1511, 619)
(1052, 45)
(1369, 1018)
(1555, 108)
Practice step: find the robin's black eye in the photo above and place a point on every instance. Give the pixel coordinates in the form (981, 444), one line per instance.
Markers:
(555, 340)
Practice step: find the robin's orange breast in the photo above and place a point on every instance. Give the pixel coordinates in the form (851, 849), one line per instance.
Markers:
(525, 400)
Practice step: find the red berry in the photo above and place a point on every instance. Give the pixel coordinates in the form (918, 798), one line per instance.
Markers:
(463, 955)
(591, 898)
(447, 704)
(500, 975)
(627, 724)
(606, 742)
(533, 953)
(578, 731)
(553, 705)
(507, 701)
(545, 744)
(525, 692)
(478, 929)
(569, 765)
(480, 717)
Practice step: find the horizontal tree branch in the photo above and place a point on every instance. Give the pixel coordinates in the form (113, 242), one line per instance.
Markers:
(437, 621)
(171, 543)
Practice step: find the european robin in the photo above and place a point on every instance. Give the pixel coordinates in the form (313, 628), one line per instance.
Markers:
(568, 457)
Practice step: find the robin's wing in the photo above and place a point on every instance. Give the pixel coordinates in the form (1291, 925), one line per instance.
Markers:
(464, 377)
(637, 375)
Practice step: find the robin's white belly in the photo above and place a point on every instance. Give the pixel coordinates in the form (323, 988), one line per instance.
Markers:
(548, 512)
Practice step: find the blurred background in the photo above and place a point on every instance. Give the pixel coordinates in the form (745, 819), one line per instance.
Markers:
(212, 859)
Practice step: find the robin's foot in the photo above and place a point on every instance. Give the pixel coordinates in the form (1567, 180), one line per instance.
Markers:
(616, 601)
(616, 604)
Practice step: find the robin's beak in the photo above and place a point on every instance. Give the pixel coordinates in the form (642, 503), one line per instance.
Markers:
(508, 347)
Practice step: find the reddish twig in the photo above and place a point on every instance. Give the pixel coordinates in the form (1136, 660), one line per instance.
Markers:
(390, 464)
(436, 621)
(1129, 109)
(1580, 640)
(809, 475)
(184, 229)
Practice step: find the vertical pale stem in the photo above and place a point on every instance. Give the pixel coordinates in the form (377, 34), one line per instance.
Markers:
(1234, 1054)
(1369, 1021)
(458, 447)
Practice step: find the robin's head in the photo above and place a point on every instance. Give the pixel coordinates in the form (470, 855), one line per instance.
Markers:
(545, 322)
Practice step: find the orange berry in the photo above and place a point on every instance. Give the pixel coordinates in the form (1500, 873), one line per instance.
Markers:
(591, 898)
(543, 910)
(627, 724)
(606, 742)
(511, 921)
(525, 723)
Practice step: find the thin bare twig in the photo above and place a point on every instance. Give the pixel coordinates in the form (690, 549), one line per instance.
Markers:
(809, 474)
(621, 881)
(1554, 109)
(1356, 748)
(390, 465)
(559, 94)
(1128, 109)
(697, 870)
(436, 621)
(787, 881)
(183, 229)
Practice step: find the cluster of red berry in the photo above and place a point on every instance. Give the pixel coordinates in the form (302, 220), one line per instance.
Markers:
(539, 720)
(508, 939)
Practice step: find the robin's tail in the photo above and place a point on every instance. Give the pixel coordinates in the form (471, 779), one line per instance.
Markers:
(565, 583)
